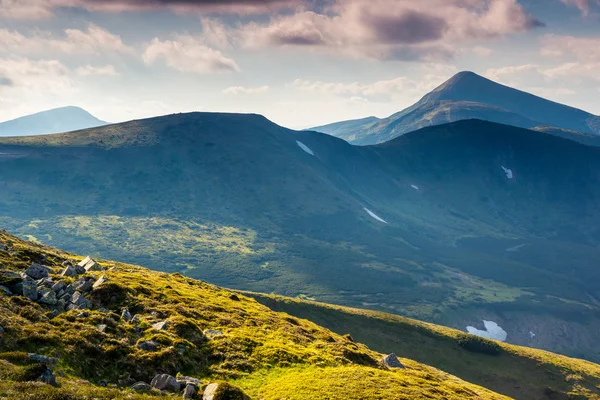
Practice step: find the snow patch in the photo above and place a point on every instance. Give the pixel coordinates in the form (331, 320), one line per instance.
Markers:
(508, 172)
(305, 148)
(492, 331)
(414, 187)
(531, 334)
(375, 216)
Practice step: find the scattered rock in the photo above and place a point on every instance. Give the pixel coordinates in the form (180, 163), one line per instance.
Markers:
(103, 279)
(36, 271)
(88, 264)
(79, 302)
(58, 286)
(160, 326)
(190, 392)
(141, 387)
(149, 345)
(135, 319)
(165, 382)
(212, 333)
(391, 361)
(48, 377)
(45, 282)
(30, 289)
(188, 380)
(126, 315)
(101, 328)
(83, 284)
(49, 298)
(69, 271)
(5, 291)
(37, 358)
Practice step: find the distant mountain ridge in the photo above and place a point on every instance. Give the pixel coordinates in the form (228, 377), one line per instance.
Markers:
(466, 96)
(57, 120)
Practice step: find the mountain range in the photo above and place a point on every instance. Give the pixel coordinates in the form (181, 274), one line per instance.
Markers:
(453, 224)
(57, 120)
(465, 96)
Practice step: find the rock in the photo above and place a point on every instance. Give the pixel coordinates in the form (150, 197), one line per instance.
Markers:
(1, 329)
(61, 305)
(37, 358)
(126, 315)
(53, 314)
(234, 297)
(135, 319)
(30, 289)
(149, 345)
(9, 278)
(48, 377)
(3, 247)
(82, 315)
(188, 380)
(45, 282)
(160, 326)
(103, 279)
(141, 387)
(101, 328)
(36, 271)
(223, 391)
(165, 382)
(83, 284)
(391, 361)
(60, 294)
(70, 289)
(49, 298)
(102, 384)
(212, 333)
(80, 302)
(88, 264)
(103, 310)
(58, 286)
(68, 271)
(189, 392)
(5, 291)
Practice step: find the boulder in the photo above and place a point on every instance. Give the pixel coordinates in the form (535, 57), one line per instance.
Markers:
(126, 315)
(88, 264)
(101, 328)
(36, 271)
(69, 271)
(83, 284)
(212, 333)
(165, 382)
(48, 377)
(141, 387)
(190, 392)
(160, 326)
(103, 279)
(30, 289)
(58, 286)
(38, 358)
(223, 391)
(49, 298)
(149, 345)
(391, 361)
(188, 380)
(45, 282)
(80, 302)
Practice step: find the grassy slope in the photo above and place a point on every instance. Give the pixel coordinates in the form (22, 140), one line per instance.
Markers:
(270, 355)
(518, 372)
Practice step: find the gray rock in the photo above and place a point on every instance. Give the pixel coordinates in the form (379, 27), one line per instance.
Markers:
(42, 291)
(149, 345)
(58, 286)
(45, 282)
(165, 382)
(83, 315)
(48, 377)
(188, 380)
(88, 264)
(101, 328)
(30, 289)
(141, 387)
(61, 305)
(1, 329)
(212, 333)
(36, 271)
(37, 358)
(5, 291)
(126, 315)
(190, 392)
(83, 284)
(49, 298)
(3, 247)
(160, 326)
(209, 392)
(80, 302)
(135, 319)
(70, 289)
(103, 310)
(103, 279)
(9, 278)
(68, 271)
(391, 361)
(53, 314)
(60, 294)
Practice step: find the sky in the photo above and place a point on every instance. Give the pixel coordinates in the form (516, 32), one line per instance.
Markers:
(301, 63)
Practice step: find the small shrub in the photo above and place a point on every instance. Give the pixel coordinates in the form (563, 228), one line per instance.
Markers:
(478, 344)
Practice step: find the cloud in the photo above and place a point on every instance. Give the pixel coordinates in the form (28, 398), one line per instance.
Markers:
(42, 77)
(580, 56)
(482, 51)
(500, 74)
(237, 90)
(90, 70)
(4, 81)
(391, 29)
(43, 9)
(584, 6)
(188, 54)
(94, 40)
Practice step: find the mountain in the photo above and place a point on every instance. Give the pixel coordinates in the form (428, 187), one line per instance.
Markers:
(57, 120)
(470, 96)
(126, 326)
(452, 224)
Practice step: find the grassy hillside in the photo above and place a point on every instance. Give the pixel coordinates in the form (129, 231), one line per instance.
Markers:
(518, 372)
(237, 201)
(210, 333)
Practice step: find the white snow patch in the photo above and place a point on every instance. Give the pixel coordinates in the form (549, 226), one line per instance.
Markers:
(508, 172)
(305, 148)
(414, 187)
(492, 331)
(531, 334)
(375, 216)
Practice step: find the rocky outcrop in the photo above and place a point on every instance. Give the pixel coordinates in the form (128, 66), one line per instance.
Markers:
(88, 264)
(391, 361)
(36, 271)
(165, 382)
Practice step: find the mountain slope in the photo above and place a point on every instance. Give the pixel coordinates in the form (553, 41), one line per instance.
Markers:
(467, 96)
(175, 325)
(57, 120)
(452, 224)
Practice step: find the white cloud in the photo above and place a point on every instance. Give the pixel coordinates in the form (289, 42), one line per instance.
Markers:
(43, 77)
(584, 6)
(236, 90)
(500, 74)
(90, 70)
(188, 54)
(482, 51)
